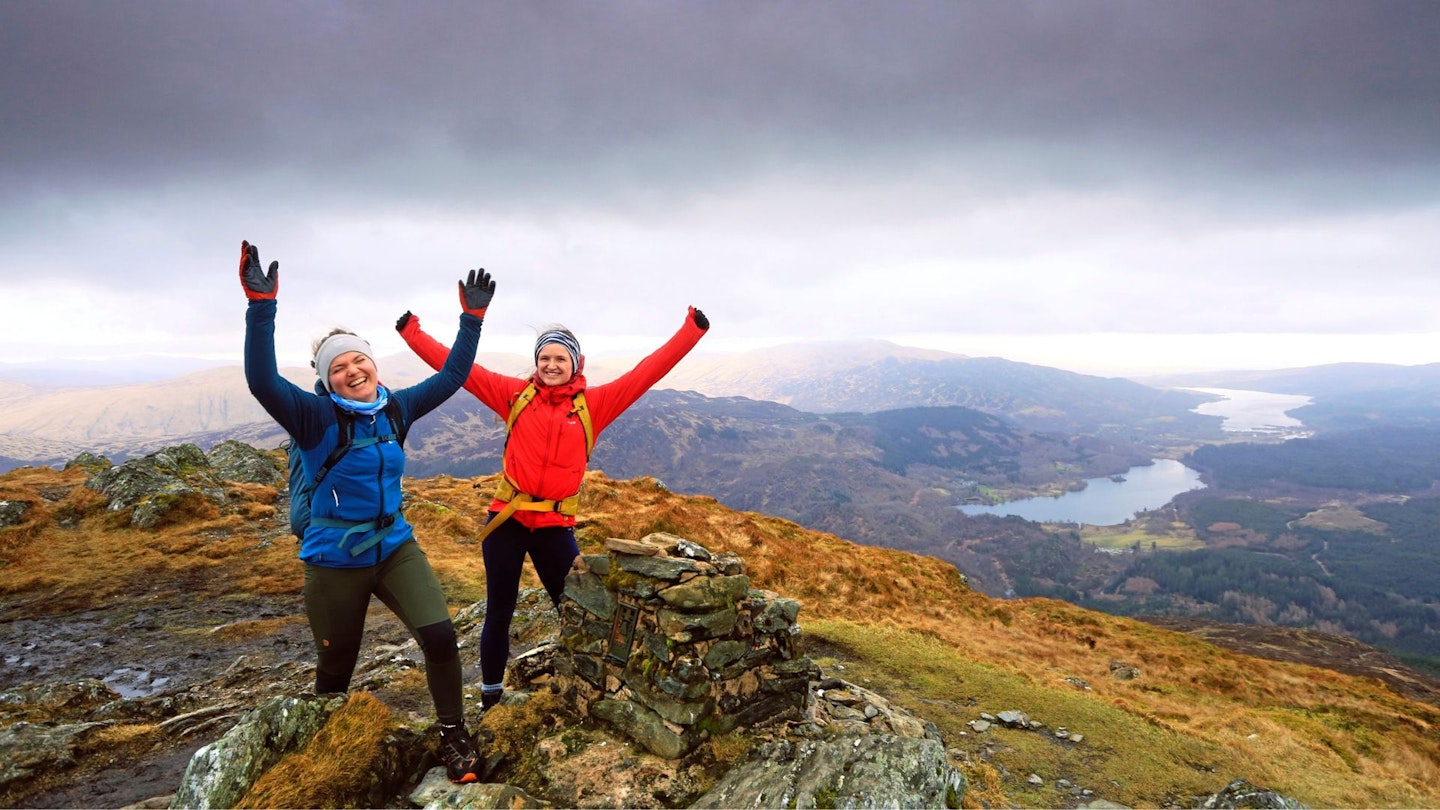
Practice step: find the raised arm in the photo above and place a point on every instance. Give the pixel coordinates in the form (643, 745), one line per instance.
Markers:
(609, 400)
(476, 293)
(285, 402)
(489, 387)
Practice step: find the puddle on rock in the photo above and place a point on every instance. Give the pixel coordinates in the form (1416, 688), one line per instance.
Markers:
(132, 682)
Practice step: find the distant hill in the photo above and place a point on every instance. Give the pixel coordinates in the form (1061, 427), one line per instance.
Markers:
(775, 373)
(48, 424)
(1346, 396)
(1315, 381)
(870, 376)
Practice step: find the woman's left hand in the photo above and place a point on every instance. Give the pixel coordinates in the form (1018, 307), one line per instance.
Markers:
(476, 292)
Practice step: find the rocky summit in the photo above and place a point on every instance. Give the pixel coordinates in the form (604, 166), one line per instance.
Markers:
(154, 653)
(640, 692)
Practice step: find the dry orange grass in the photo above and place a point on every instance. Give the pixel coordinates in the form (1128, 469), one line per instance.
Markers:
(336, 762)
(255, 628)
(74, 554)
(1343, 737)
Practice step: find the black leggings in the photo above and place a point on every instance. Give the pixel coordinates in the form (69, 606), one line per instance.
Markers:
(336, 600)
(552, 551)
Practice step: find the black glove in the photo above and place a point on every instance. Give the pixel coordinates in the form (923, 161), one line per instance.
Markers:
(476, 292)
(699, 318)
(257, 285)
(402, 320)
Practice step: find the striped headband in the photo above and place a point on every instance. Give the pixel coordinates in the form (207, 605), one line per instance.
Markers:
(564, 339)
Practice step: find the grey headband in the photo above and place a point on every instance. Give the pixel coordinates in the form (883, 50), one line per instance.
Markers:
(333, 347)
(564, 339)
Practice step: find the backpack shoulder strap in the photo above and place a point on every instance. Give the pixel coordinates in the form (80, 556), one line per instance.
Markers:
(345, 430)
(397, 420)
(583, 411)
(519, 405)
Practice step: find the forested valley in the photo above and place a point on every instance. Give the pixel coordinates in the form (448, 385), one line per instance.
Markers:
(1338, 533)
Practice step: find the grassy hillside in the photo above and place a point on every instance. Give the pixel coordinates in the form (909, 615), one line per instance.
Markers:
(905, 625)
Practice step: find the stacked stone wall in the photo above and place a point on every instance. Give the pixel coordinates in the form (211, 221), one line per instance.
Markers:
(669, 644)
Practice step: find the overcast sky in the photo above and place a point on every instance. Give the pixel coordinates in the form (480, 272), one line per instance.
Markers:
(1100, 186)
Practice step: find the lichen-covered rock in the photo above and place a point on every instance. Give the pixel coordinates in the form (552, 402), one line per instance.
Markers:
(153, 486)
(875, 770)
(220, 773)
(89, 462)
(1241, 795)
(645, 727)
(435, 792)
(28, 747)
(707, 593)
(237, 461)
(12, 512)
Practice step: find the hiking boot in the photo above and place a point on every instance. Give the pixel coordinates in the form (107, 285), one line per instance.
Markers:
(457, 751)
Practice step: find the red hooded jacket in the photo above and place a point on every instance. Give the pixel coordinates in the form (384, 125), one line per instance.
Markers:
(545, 455)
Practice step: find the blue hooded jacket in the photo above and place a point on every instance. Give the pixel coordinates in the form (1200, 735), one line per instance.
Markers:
(364, 486)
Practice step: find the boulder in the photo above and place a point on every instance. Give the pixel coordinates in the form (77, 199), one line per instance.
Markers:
(237, 461)
(1242, 794)
(874, 770)
(221, 773)
(153, 486)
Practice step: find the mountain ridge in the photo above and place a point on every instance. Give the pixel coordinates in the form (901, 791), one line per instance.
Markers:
(129, 420)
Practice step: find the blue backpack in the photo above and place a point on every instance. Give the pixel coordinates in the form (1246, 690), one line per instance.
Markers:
(302, 489)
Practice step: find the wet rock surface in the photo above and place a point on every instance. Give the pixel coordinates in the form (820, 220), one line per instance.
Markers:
(171, 663)
(141, 651)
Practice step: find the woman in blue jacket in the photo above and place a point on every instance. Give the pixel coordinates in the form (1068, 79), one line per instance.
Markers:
(357, 542)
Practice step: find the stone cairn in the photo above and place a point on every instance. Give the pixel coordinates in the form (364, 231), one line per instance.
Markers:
(669, 644)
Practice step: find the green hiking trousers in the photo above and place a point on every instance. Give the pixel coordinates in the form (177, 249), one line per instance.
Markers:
(336, 600)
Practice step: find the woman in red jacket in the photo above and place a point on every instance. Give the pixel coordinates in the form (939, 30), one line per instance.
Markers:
(544, 464)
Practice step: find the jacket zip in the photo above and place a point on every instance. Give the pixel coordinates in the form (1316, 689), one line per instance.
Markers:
(379, 480)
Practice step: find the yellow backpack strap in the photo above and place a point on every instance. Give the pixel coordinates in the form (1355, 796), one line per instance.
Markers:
(519, 405)
(523, 502)
(507, 490)
(583, 411)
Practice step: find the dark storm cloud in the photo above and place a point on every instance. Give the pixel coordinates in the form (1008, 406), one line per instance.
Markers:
(639, 94)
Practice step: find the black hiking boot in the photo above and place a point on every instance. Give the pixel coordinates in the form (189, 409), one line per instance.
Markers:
(457, 751)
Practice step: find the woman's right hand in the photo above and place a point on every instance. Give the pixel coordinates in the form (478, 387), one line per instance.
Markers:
(258, 285)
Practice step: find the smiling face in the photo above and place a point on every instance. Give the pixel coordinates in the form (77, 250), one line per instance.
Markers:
(352, 376)
(553, 365)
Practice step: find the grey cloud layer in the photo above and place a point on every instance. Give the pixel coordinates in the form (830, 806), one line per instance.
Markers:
(655, 92)
(1102, 165)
